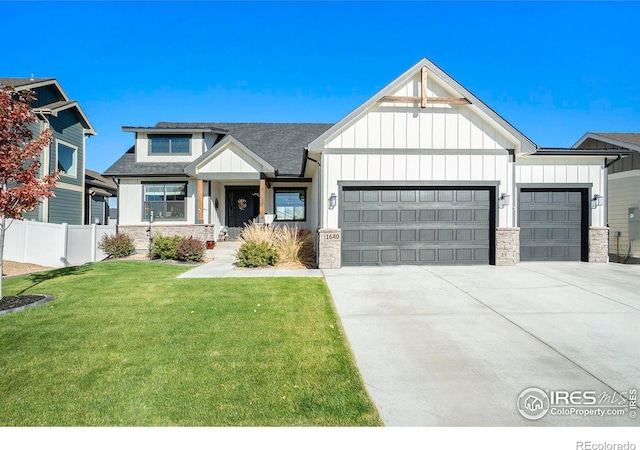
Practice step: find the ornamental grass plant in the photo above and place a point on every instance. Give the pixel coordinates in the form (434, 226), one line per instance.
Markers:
(293, 245)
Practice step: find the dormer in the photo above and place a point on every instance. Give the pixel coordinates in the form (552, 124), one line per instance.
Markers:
(163, 143)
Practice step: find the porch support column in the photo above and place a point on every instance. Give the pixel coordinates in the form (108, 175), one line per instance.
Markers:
(263, 195)
(199, 203)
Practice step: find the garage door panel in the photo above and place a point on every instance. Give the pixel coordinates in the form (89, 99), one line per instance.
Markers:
(481, 215)
(352, 196)
(369, 216)
(416, 226)
(408, 255)
(370, 235)
(389, 216)
(481, 235)
(427, 215)
(482, 197)
(351, 236)
(445, 215)
(389, 256)
(427, 235)
(351, 216)
(575, 197)
(464, 235)
(369, 196)
(464, 196)
(388, 235)
(464, 215)
(408, 235)
(408, 216)
(427, 255)
(541, 197)
(550, 225)
(407, 196)
(389, 196)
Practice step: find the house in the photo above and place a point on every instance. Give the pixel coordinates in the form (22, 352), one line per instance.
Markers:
(623, 205)
(422, 173)
(98, 190)
(69, 125)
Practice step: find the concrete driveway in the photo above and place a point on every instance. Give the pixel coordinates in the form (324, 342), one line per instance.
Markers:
(440, 346)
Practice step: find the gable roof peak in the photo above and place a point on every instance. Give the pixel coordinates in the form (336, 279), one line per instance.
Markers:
(388, 91)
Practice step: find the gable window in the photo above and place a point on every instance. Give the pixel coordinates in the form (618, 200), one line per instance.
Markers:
(169, 144)
(290, 203)
(67, 157)
(167, 201)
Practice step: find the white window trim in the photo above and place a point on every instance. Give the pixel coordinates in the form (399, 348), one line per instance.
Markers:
(75, 156)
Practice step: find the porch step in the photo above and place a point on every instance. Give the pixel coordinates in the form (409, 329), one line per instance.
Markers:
(225, 251)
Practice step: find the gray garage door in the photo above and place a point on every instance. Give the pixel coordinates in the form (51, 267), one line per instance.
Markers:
(415, 226)
(551, 225)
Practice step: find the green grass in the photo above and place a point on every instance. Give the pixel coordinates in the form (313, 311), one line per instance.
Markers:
(128, 344)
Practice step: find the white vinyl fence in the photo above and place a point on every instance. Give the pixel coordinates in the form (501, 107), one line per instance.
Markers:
(54, 245)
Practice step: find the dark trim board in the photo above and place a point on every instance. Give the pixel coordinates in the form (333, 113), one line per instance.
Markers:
(547, 225)
(386, 223)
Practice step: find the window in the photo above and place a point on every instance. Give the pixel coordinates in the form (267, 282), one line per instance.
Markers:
(168, 144)
(67, 159)
(167, 201)
(291, 204)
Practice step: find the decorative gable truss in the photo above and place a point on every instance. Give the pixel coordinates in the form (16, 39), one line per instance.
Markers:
(424, 109)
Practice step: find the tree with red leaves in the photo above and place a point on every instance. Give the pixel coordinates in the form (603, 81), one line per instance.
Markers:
(20, 188)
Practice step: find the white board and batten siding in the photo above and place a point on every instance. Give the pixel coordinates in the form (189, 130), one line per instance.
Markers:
(231, 160)
(442, 142)
(416, 168)
(438, 126)
(561, 171)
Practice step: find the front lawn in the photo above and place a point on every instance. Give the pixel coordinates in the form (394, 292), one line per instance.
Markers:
(126, 343)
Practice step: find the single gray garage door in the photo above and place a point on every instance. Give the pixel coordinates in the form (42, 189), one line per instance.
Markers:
(551, 225)
(416, 225)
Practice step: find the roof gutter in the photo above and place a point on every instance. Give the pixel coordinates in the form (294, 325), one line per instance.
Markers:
(580, 152)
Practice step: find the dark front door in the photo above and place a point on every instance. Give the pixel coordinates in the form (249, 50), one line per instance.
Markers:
(242, 207)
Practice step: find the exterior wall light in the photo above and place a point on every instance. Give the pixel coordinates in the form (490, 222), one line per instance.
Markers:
(503, 200)
(596, 201)
(332, 201)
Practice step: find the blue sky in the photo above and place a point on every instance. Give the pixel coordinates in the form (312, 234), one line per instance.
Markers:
(553, 69)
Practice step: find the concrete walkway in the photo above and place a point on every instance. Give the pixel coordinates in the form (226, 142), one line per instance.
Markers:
(223, 266)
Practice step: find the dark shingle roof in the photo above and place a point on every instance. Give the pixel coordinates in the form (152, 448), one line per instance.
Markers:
(18, 82)
(93, 178)
(280, 144)
(630, 138)
(127, 166)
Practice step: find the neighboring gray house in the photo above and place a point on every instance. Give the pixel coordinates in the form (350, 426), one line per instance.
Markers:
(422, 173)
(98, 191)
(623, 192)
(66, 153)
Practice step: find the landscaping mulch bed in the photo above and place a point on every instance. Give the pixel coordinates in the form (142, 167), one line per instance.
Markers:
(12, 303)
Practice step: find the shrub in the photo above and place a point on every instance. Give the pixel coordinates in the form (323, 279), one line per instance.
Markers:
(190, 250)
(292, 244)
(164, 247)
(253, 254)
(117, 245)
